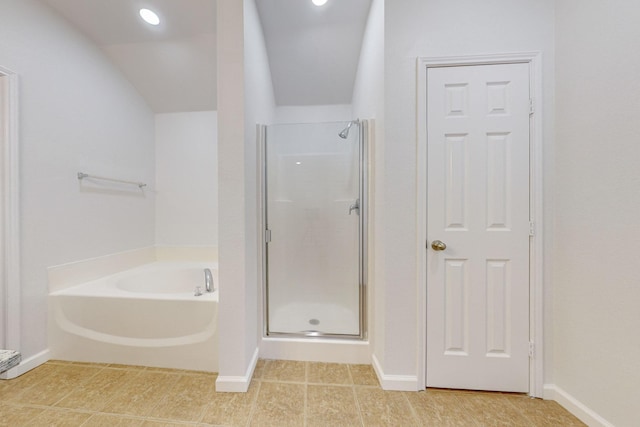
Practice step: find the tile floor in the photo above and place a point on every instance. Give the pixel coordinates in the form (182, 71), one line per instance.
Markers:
(282, 394)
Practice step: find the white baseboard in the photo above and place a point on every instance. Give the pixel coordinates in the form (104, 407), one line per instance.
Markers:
(26, 365)
(394, 382)
(238, 384)
(573, 405)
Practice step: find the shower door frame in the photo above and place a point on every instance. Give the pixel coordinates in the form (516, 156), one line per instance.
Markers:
(10, 293)
(363, 241)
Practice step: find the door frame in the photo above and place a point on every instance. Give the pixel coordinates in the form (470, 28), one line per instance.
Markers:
(10, 295)
(536, 241)
(364, 129)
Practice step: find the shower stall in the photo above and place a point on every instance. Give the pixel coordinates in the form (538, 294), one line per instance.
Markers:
(315, 187)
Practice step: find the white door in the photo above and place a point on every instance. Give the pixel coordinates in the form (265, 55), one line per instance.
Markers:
(478, 207)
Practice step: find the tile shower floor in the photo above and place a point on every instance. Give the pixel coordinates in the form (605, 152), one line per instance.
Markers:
(282, 393)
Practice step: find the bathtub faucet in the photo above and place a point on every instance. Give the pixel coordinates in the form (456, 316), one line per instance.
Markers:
(208, 280)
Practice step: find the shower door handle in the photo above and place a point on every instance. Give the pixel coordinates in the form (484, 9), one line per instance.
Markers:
(355, 207)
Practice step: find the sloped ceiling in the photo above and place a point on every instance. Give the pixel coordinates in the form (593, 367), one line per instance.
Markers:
(313, 51)
(173, 65)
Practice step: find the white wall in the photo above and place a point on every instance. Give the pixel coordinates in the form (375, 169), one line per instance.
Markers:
(245, 98)
(368, 103)
(186, 179)
(259, 109)
(435, 28)
(313, 113)
(597, 238)
(368, 91)
(77, 113)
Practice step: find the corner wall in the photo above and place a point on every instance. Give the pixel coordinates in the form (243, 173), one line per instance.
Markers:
(186, 179)
(435, 28)
(245, 98)
(259, 109)
(368, 103)
(77, 114)
(597, 238)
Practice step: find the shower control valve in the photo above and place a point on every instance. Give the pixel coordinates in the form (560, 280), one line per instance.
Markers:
(355, 207)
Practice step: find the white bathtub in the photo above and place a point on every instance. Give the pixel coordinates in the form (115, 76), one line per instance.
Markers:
(147, 316)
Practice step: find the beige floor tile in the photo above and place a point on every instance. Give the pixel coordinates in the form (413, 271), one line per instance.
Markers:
(331, 406)
(155, 423)
(107, 420)
(437, 408)
(95, 365)
(284, 370)
(132, 367)
(384, 408)
(231, 409)
(15, 415)
(492, 409)
(188, 398)
(141, 394)
(328, 373)
(59, 418)
(12, 390)
(59, 362)
(544, 412)
(61, 381)
(363, 375)
(257, 373)
(279, 404)
(95, 394)
(178, 371)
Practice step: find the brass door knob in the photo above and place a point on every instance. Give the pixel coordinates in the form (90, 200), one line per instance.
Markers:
(437, 245)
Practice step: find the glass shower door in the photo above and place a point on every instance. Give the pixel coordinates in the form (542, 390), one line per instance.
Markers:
(313, 182)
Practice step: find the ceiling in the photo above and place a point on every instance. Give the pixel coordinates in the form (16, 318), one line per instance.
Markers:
(173, 65)
(313, 51)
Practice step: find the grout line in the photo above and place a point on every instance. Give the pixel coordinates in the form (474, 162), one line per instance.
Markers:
(353, 382)
(306, 404)
(412, 409)
(252, 410)
(57, 370)
(166, 393)
(358, 408)
(121, 386)
(209, 398)
(80, 384)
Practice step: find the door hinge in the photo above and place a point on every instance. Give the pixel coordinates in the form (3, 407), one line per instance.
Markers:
(532, 228)
(532, 106)
(532, 350)
(267, 236)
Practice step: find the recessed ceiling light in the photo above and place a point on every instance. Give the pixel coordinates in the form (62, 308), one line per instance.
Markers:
(319, 2)
(149, 16)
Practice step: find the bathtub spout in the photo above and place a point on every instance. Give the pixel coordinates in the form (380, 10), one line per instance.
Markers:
(208, 280)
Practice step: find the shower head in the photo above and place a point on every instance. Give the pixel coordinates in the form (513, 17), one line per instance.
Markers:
(345, 132)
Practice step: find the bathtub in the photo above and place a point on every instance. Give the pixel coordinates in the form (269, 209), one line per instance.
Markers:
(146, 316)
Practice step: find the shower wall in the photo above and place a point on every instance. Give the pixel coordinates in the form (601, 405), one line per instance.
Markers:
(313, 256)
